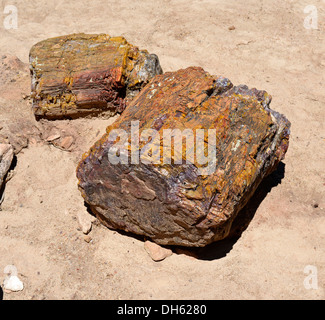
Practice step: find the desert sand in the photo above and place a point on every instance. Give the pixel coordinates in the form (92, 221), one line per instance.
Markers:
(263, 44)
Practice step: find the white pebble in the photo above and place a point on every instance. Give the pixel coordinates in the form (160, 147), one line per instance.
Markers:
(12, 283)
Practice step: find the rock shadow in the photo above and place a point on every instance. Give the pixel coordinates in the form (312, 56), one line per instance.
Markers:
(5, 179)
(220, 249)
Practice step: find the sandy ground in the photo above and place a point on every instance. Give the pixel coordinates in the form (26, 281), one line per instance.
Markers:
(269, 49)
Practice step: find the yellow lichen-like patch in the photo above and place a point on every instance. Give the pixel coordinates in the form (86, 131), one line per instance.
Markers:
(90, 67)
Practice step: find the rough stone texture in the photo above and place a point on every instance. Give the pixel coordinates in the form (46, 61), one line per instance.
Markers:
(85, 222)
(172, 203)
(79, 75)
(6, 157)
(156, 252)
(18, 133)
(12, 70)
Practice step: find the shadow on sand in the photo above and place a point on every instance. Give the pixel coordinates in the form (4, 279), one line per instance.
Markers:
(221, 248)
(2, 188)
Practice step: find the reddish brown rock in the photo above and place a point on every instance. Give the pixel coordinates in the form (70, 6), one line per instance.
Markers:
(12, 70)
(79, 75)
(19, 132)
(170, 198)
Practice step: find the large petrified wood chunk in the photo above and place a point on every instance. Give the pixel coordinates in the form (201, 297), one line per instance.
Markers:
(167, 196)
(79, 74)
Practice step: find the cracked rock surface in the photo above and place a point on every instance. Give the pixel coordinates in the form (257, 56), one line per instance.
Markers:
(171, 200)
(82, 75)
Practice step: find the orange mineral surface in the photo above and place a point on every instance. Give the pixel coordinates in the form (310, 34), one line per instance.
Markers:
(146, 175)
(80, 75)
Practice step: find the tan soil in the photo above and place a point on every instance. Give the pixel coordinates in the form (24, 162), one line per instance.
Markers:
(269, 49)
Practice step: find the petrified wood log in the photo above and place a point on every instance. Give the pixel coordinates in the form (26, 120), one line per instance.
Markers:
(167, 195)
(79, 74)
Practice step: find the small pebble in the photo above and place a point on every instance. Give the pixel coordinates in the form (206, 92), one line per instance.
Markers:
(156, 252)
(66, 142)
(87, 238)
(12, 283)
(85, 222)
(53, 137)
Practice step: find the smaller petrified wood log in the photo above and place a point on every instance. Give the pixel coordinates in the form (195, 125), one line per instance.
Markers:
(79, 75)
(184, 202)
